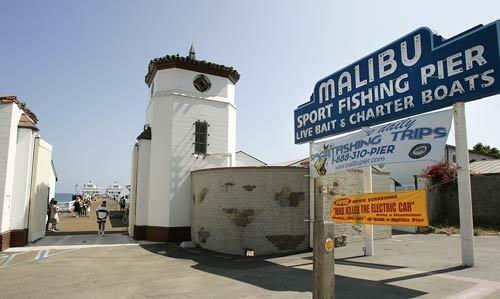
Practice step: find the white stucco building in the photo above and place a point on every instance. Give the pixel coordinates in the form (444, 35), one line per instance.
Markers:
(27, 176)
(190, 123)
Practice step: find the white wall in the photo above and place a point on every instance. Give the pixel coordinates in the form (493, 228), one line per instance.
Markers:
(141, 213)
(39, 189)
(181, 81)
(9, 119)
(22, 179)
(220, 118)
(159, 170)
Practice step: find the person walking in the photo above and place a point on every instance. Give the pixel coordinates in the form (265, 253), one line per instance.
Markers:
(54, 215)
(85, 206)
(49, 206)
(122, 204)
(101, 213)
(82, 207)
(88, 204)
(77, 208)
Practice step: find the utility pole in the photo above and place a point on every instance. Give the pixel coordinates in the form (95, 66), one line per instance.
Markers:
(464, 186)
(368, 228)
(323, 251)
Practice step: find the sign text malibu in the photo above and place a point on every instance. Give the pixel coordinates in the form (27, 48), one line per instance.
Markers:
(418, 73)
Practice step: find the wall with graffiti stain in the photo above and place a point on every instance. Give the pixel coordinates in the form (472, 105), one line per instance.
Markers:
(259, 209)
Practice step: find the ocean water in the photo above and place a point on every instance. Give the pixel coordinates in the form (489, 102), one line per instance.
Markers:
(64, 197)
(63, 201)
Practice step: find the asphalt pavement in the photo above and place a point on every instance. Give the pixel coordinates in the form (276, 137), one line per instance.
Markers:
(115, 266)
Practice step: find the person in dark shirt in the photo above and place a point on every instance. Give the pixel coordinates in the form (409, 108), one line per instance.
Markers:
(77, 207)
(122, 204)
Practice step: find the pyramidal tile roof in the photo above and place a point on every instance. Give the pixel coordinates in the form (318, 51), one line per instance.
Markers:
(187, 63)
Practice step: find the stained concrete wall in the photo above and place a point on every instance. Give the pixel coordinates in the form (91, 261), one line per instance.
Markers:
(351, 182)
(264, 208)
(258, 208)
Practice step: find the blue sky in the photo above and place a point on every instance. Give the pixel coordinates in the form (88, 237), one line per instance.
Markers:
(80, 65)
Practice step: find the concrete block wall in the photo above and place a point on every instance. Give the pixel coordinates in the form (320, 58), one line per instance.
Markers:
(444, 207)
(486, 199)
(351, 182)
(257, 208)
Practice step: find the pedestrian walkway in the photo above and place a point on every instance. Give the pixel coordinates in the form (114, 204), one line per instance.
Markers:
(69, 224)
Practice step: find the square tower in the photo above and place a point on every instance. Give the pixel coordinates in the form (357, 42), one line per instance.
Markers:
(190, 124)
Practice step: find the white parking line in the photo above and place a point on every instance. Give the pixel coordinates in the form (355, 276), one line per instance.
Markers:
(42, 254)
(79, 246)
(6, 260)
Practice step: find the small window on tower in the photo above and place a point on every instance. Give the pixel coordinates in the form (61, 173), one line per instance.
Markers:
(200, 137)
(202, 83)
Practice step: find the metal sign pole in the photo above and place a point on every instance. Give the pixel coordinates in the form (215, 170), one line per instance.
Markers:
(464, 186)
(311, 201)
(368, 228)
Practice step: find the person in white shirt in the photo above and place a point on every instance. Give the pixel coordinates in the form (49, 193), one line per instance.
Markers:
(101, 213)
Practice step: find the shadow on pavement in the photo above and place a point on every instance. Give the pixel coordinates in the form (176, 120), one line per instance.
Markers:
(348, 262)
(424, 274)
(275, 277)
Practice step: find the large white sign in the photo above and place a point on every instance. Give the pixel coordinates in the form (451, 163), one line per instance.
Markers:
(412, 139)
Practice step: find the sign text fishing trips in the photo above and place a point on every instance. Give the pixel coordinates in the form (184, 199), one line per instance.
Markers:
(418, 138)
(418, 73)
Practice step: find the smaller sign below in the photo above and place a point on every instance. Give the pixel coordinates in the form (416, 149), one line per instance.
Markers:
(408, 208)
(329, 244)
(418, 138)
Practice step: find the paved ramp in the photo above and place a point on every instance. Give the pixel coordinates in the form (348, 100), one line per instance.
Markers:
(51, 246)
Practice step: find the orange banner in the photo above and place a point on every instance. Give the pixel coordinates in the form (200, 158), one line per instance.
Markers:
(391, 208)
